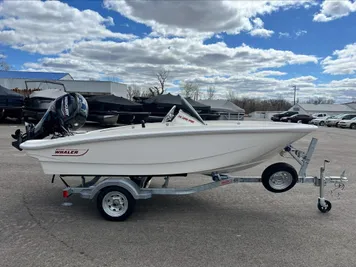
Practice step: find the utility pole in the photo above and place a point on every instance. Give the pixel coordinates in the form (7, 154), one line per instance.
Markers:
(295, 92)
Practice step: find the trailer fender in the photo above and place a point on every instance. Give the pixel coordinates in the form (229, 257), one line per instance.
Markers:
(127, 184)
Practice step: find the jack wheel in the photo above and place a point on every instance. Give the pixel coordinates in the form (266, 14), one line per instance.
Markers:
(115, 203)
(279, 177)
(324, 209)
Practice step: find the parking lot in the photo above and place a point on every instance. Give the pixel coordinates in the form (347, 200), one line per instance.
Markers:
(237, 225)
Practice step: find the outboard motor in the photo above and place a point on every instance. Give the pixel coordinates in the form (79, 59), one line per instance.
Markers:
(67, 113)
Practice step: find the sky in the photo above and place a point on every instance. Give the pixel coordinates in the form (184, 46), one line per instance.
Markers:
(253, 48)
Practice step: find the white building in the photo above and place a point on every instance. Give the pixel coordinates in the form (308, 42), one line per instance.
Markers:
(263, 114)
(331, 109)
(226, 109)
(17, 79)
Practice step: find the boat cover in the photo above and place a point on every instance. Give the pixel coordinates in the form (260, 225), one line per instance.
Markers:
(169, 100)
(112, 102)
(9, 98)
(222, 105)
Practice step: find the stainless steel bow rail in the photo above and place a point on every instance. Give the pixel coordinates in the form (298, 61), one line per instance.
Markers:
(116, 196)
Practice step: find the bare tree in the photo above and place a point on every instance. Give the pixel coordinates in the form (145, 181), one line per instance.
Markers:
(130, 92)
(255, 104)
(190, 89)
(231, 95)
(154, 90)
(162, 77)
(4, 65)
(211, 92)
(134, 90)
(320, 100)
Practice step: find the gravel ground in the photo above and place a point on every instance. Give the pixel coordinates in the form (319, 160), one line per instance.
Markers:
(237, 225)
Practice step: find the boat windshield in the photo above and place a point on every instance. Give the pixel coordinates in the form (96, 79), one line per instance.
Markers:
(186, 105)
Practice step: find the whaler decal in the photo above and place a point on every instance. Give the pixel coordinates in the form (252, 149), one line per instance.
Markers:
(70, 152)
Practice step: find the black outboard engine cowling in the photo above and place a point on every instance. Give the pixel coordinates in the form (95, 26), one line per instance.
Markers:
(67, 113)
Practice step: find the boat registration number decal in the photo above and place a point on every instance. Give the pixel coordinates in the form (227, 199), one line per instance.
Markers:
(70, 152)
(185, 118)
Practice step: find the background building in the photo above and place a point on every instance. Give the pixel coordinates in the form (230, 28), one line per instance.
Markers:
(331, 109)
(226, 109)
(17, 79)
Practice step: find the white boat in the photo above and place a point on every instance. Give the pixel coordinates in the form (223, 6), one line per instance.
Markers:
(129, 156)
(186, 145)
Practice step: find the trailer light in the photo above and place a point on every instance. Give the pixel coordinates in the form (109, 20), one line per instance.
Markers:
(65, 194)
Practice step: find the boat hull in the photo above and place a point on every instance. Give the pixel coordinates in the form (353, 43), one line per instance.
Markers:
(158, 149)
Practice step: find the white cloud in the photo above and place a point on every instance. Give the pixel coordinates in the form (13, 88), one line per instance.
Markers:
(284, 34)
(135, 62)
(348, 83)
(300, 33)
(2, 56)
(342, 61)
(177, 54)
(188, 18)
(331, 10)
(259, 30)
(270, 73)
(51, 27)
(288, 35)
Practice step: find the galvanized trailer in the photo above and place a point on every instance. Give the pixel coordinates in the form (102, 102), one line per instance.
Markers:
(116, 196)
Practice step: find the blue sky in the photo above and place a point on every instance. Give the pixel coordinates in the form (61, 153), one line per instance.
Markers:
(255, 48)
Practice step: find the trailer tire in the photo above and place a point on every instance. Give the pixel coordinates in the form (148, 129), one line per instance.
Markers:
(288, 177)
(324, 209)
(115, 203)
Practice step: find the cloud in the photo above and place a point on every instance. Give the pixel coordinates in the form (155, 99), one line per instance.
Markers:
(51, 27)
(259, 30)
(270, 73)
(2, 56)
(288, 35)
(192, 18)
(284, 34)
(341, 62)
(137, 61)
(332, 10)
(177, 54)
(300, 33)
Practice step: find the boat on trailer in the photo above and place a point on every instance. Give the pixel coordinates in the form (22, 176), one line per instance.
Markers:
(123, 160)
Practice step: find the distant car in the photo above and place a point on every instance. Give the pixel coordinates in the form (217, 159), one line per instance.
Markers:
(303, 118)
(348, 123)
(320, 121)
(335, 121)
(319, 115)
(278, 116)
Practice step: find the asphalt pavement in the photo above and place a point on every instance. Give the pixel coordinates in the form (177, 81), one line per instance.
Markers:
(236, 225)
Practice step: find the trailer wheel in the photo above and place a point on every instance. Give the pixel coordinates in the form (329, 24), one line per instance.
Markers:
(279, 177)
(324, 209)
(115, 203)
